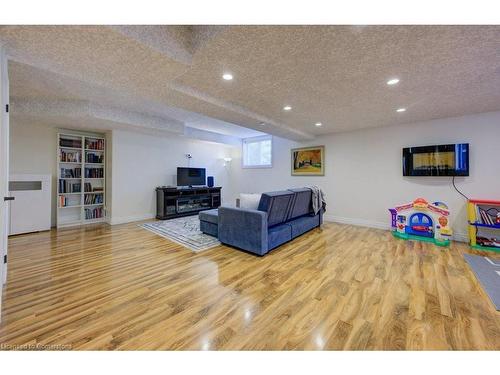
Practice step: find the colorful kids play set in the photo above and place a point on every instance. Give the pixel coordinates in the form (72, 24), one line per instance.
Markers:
(484, 224)
(422, 221)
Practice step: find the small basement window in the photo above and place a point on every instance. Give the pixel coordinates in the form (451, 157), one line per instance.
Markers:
(258, 152)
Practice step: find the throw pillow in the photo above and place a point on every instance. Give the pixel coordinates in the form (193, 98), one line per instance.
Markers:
(250, 201)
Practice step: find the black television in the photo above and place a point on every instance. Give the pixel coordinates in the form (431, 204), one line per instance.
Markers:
(436, 160)
(190, 176)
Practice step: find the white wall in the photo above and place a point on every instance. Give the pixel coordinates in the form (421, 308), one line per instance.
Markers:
(33, 151)
(364, 169)
(143, 162)
(136, 164)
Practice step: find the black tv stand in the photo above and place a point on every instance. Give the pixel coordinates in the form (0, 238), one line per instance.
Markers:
(174, 202)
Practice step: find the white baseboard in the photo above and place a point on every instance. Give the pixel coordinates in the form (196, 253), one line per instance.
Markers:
(357, 222)
(460, 237)
(129, 219)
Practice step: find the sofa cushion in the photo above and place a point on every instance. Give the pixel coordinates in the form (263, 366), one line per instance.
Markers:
(277, 235)
(301, 204)
(210, 215)
(243, 228)
(303, 224)
(276, 204)
(209, 228)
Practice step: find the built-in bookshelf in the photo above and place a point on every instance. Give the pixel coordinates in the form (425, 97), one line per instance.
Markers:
(484, 224)
(81, 187)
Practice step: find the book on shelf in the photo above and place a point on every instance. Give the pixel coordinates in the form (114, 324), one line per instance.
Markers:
(66, 186)
(94, 213)
(91, 157)
(94, 172)
(94, 199)
(67, 142)
(65, 202)
(485, 217)
(94, 144)
(70, 156)
(88, 188)
(71, 172)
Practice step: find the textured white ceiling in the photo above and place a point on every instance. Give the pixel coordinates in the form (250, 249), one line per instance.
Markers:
(332, 74)
(28, 82)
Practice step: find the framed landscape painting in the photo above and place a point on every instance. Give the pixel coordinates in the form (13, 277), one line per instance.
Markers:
(308, 161)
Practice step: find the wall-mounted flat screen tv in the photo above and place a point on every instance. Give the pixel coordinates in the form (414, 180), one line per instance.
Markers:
(437, 160)
(190, 176)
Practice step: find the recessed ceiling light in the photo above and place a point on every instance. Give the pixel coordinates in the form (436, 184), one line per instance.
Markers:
(318, 124)
(227, 76)
(393, 81)
(287, 108)
(262, 124)
(400, 109)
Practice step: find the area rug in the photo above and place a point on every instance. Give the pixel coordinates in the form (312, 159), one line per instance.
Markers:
(487, 271)
(184, 231)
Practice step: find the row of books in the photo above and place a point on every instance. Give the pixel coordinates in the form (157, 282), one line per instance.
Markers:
(93, 199)
(94, 144)
(65, 202)
(486, 218)
(70, 156)
(66, 186)
(88, 188)
(94, 172)
(71, 172)
(75, 143)
(94, 213)
(94, 158)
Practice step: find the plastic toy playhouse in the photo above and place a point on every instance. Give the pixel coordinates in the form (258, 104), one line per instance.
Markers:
(422, 221)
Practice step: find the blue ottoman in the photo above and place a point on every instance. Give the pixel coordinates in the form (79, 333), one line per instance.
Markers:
(209, 222)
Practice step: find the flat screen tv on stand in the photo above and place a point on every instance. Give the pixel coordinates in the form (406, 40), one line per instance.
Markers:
(191, 176)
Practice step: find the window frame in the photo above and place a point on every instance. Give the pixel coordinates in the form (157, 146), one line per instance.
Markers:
(259, 138)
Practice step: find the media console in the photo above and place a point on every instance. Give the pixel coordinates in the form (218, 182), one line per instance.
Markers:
(175, 202)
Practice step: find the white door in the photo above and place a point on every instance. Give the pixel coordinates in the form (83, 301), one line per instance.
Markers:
(4, 167)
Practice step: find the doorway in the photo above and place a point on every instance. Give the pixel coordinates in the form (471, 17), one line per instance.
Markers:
(4, 167)
(421, 225)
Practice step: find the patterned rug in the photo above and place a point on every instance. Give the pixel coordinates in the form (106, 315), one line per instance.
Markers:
(184, 231)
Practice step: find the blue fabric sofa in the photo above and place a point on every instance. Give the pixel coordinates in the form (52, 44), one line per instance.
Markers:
(280, 217)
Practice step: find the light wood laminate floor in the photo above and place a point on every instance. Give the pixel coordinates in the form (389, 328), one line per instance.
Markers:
(339, 287)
